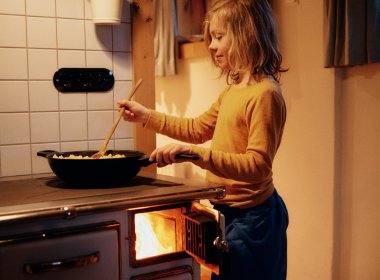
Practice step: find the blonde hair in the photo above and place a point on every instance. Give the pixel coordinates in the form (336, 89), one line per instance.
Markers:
(253, 33)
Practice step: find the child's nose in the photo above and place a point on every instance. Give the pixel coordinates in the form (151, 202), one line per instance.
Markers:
(211, 46)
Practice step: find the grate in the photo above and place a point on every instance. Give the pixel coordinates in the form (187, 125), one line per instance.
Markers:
(201, 232)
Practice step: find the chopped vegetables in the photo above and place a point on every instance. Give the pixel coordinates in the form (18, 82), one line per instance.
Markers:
(71, 156)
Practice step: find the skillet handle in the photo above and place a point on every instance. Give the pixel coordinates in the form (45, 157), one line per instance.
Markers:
(47, 153)
(144, 162)
(187, 156)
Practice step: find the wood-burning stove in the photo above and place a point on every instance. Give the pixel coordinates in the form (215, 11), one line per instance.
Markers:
(46, 208)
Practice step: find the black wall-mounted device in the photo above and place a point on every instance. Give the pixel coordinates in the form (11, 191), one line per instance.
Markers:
(83, 79)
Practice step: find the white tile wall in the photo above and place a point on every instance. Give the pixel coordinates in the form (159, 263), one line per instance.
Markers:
(10, 160)
(97, 101)
(43, 8)
(100, 59)
(124, 144)
(72, 101)
(122, 43)
(71, 58)
(44, 127)
(43, 96)
(37, 37)
(99, 123)
(15, 33)
(98, 37)
(42, 64)
(70, 34)
(70, 9)
(73, 126)
(45, 27)
(14, 64)
(16, 95)
(120, 59)
(14, 7)
(75, 146)
(39, 164)
(14, 128)
(121, 88)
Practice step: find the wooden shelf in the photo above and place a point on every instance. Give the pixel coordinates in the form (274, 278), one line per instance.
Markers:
(193, 50)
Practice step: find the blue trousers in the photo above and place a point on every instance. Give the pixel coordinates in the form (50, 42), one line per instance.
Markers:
(257, 241)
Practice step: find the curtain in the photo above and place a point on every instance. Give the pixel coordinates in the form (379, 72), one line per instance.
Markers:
(352, 32)
(164, 37)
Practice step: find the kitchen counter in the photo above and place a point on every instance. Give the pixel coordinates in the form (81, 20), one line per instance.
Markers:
(43, 197)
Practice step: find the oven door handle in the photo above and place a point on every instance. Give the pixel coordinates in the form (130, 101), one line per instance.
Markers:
(220, 241)
(79, 261)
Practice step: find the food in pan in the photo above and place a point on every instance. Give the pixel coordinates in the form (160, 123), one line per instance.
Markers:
(71, 156)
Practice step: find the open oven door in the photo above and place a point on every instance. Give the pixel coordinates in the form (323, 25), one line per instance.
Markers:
(205, 238)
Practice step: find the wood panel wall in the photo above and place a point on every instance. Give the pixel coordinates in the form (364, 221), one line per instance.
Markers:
(143, 67)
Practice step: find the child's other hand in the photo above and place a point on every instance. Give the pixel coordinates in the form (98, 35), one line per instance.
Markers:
(166, 155)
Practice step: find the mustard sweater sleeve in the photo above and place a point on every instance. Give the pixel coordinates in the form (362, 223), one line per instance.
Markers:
(191, 130)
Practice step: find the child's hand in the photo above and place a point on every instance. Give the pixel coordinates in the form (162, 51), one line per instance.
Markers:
(134, 111)
(166, 155)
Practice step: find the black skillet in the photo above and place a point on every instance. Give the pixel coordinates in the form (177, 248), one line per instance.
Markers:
(109, 171)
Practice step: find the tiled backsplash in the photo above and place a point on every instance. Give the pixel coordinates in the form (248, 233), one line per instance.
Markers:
(37, 37)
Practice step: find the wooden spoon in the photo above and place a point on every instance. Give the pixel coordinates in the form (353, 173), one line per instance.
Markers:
(103, 149)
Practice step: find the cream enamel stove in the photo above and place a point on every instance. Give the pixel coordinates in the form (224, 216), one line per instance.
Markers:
(152, 228)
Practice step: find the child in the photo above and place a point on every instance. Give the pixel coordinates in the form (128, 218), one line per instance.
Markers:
(245, 125)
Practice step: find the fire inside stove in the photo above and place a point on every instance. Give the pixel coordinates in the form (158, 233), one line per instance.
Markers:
(151, 237)
(164, 234)
(157, 233)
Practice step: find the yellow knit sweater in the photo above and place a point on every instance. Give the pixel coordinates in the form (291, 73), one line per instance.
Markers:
(245, 126)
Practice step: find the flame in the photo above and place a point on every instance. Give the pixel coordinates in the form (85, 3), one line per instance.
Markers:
(151, 237)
